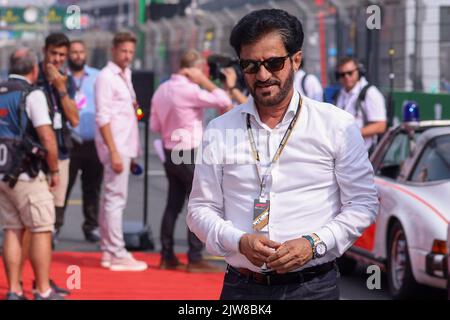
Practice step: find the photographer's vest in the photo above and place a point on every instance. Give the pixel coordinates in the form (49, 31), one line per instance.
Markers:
(62, 131)
(14, 122)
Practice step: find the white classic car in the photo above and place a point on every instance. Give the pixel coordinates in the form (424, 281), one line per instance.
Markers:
(447, 262)
(409, 238)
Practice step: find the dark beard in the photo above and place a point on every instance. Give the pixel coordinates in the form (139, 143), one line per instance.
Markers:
(75, 66)
(284, 91)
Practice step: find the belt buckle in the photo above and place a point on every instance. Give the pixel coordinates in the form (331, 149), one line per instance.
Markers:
(260, 278)
(267, 275)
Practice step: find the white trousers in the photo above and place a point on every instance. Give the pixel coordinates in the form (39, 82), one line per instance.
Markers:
(113, 203)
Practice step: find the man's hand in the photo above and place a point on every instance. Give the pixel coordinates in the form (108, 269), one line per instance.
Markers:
(257, 248)
(290, 255)
(54, 181)
(56, 78)
(116, 162)
(195, 75)
(230, 77)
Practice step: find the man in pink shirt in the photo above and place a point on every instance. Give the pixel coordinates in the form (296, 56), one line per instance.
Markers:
(177, 113)
(117, 143)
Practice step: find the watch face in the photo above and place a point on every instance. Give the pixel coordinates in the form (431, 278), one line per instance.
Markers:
(321, 249)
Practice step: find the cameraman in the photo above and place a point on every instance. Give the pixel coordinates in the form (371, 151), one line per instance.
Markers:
(29, 204)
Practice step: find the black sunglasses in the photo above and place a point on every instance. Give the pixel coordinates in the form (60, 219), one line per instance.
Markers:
(346, 73)
(273, 64)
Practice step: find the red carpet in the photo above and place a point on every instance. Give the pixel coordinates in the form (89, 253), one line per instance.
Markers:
(98, 283)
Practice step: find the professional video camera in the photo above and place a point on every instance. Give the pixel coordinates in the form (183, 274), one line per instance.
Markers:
(217, 62)
(28, 159)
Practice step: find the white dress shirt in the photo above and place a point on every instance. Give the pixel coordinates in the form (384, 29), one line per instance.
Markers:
(322, 183)
(313, 87)
(374, 105)
(114, 97)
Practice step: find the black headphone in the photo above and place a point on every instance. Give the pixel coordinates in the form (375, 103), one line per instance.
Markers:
(361, 70)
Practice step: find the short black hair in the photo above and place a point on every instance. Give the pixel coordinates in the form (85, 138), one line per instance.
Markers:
(57, 40)
(259, 23)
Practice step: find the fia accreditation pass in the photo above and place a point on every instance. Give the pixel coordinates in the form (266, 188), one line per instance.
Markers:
(225, 310)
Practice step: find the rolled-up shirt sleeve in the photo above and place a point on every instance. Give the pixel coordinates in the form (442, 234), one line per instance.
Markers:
(375, 105)
(359, 198)
(205, 209)
(37, 109)
(217, 98)
(103, 94)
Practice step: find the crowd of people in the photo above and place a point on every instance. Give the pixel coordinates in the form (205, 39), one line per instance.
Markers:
(84, 121)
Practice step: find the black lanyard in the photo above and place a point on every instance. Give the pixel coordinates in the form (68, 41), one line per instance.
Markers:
(287, 134)
(51, 93)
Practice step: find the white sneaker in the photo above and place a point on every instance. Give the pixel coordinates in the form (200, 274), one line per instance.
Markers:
(106, 260)
(127, 263)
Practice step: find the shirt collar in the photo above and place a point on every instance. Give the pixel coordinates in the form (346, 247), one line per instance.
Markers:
(18, 76)
(250, 108)
(179, 77)
(117, 70)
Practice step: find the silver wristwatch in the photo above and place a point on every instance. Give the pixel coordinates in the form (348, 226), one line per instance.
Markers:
(319, 248)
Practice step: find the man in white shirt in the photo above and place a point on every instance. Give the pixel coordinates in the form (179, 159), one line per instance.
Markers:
(362, 100)
(117, 144)
(280, 234)
(308, 84)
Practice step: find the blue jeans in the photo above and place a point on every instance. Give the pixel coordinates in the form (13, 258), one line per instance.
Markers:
(323, 287)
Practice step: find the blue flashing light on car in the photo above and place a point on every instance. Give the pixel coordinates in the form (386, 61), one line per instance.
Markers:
(411, 111)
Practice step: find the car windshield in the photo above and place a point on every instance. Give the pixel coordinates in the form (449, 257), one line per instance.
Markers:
(396, 154)
(434, 163)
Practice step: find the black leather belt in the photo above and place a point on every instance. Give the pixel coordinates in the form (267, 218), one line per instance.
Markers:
(272, 278)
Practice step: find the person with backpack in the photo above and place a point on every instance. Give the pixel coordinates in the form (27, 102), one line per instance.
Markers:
(28, 173)
(308, 84)
(362, 99)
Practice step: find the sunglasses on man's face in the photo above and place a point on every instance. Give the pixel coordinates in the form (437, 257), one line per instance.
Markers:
(346, 73)
(273, 64)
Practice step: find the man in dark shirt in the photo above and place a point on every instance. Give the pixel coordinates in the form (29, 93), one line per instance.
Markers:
(60, 91)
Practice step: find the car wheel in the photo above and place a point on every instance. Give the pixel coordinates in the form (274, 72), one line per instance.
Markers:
(346, 265)
(402, 284)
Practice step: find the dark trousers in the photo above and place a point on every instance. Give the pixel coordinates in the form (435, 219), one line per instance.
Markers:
(84, 158)
(323, 287)
(180, 178)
